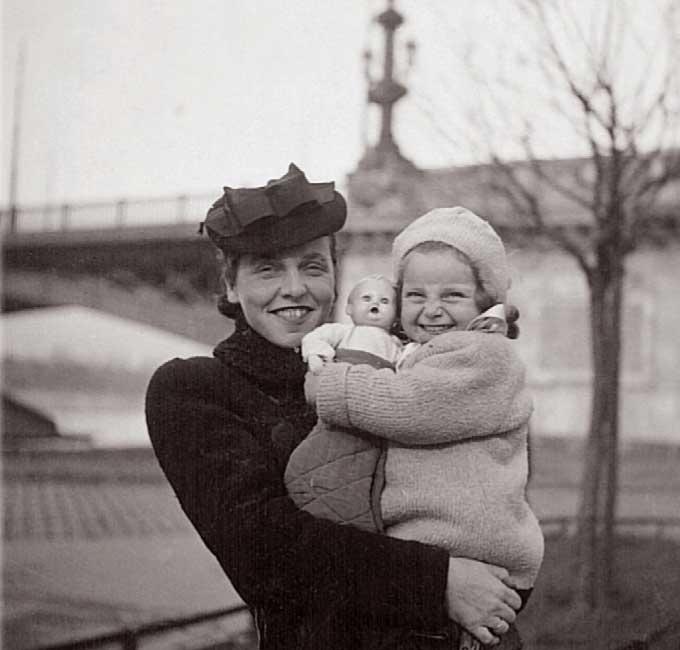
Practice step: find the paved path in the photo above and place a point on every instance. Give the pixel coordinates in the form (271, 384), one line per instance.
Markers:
(60, 510)
(60, 590)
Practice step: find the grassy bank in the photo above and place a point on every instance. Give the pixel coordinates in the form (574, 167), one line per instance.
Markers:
(647, 591)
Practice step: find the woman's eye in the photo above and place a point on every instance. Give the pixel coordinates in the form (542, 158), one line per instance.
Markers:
(316, 268)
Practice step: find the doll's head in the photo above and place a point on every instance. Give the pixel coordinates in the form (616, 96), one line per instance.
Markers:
(373, 302)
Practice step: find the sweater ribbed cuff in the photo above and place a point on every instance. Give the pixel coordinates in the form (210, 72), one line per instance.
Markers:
(331, 399)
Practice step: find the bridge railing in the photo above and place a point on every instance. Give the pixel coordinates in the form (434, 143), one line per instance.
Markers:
(125, 213)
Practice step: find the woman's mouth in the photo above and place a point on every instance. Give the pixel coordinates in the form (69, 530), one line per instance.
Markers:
(292, 314)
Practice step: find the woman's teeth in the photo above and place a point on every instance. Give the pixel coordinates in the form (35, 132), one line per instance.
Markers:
(293, 313)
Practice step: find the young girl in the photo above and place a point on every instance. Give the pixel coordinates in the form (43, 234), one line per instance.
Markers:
(455, 416)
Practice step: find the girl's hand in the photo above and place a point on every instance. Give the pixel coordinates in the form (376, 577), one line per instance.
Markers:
(311, 388)
(511, 317)
(479, 599)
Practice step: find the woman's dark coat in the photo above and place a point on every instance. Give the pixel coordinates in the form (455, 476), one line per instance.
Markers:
(222, 429)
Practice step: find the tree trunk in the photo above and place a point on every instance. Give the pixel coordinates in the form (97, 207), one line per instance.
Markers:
(600, 481)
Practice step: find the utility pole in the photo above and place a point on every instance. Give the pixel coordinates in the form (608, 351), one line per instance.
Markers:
(16, 136)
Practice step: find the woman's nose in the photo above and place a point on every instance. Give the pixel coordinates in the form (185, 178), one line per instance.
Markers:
(292, 284)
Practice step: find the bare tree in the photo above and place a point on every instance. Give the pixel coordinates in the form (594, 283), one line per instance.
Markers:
(627, 129)
(615, 93)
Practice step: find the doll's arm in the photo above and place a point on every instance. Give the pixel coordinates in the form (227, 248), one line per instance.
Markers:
(318, 346)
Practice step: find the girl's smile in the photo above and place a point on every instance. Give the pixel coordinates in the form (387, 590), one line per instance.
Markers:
(437, 294)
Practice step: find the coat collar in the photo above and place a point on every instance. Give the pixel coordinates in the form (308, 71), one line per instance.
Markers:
(253, 355)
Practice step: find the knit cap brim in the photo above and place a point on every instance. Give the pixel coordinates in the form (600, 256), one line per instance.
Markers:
(464, 230)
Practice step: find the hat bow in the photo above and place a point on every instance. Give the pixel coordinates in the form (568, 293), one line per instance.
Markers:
(238, 208)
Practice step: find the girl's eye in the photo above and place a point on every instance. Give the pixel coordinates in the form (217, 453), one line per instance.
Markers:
(385, 301)
(366, 298)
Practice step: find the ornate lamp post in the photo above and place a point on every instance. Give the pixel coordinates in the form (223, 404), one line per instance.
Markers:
(385, 93)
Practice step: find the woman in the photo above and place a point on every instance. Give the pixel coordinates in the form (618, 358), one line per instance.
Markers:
(223, 429)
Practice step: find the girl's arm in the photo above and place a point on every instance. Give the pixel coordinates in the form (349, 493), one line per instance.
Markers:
(232, 491)
(465, 384)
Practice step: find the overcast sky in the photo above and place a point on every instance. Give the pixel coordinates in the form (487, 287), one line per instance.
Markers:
(123, 98)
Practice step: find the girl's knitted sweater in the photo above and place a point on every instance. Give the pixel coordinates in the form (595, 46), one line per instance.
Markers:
(456, 421)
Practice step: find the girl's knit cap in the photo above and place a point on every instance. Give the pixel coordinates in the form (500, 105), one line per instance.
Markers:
(465, 231)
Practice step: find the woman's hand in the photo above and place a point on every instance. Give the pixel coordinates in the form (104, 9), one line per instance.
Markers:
(311, 388)
(479, 598)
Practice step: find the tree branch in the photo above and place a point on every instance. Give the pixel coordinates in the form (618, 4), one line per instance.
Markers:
(526, 203)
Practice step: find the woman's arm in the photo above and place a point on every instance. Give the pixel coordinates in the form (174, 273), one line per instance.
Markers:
(467, 384)
(233, 493)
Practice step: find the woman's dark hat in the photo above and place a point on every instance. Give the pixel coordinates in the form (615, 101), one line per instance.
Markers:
(287, 211)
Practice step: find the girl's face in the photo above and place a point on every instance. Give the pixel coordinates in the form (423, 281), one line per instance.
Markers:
(437, 294)
(288, 293)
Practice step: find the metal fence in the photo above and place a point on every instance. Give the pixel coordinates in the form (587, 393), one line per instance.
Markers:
(129, 638)
(655, 527)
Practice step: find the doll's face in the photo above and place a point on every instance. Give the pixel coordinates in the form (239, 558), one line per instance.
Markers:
(373, 302)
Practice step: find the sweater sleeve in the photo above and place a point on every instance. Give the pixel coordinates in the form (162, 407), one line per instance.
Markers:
(272, 552)
(470, 384)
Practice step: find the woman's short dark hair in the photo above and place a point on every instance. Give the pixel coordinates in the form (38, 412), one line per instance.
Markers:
(229, 262)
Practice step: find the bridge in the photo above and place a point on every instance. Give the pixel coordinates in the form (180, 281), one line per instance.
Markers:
(142, 260)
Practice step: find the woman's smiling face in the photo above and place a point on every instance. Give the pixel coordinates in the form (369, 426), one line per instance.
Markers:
(437, 294)
(288, 293)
